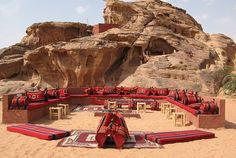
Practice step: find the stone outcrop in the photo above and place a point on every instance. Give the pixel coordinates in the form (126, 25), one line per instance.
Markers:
(50, 32)
(11, 58)
(157, 45)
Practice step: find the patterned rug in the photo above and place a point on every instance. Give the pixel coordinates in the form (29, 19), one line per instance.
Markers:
(86, 139)
(88, 108)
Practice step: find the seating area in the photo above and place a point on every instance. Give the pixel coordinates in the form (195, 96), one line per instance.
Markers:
(200, 111)
(31, 106)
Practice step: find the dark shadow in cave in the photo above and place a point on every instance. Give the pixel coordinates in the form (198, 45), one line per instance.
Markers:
(112, 73)
(158, 47)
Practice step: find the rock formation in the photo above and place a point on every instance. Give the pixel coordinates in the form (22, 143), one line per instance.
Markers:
(157, 45)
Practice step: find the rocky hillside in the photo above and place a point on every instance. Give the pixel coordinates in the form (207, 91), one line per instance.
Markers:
(157, 45)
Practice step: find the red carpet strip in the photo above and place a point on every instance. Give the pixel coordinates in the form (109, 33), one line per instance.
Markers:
(178, 136)
(38, 131)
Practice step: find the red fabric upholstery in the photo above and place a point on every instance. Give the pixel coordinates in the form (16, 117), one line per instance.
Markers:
(162, 91)
(110, 90)
(185, 138)
(180, 95)
(38, 131)
(178, 136)
(63, 92)
(53, 93)
(172, 94)
(36, 96)
(21, 102)
(142, 91)
(193, 111)
(195, 106)
(209, 107)
(190, 99)
(155, 106)
(112, 124)
(37, 105)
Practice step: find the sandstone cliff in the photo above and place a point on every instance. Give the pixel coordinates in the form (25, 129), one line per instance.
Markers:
(157, 45)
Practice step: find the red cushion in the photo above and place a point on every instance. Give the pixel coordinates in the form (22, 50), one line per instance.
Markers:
(178, 136)
(209, 107)
(63, 92)
(162, 91)
(193, 111)
(37, 105)
(195, 106)
(38, 131)
(141, 91)
(36, 96)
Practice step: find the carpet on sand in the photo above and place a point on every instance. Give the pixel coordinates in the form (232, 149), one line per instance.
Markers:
(88, 108)
(86, 139)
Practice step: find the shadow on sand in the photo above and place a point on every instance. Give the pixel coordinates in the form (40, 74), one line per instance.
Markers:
(230, 125)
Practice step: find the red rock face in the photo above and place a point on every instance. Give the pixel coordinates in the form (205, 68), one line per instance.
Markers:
(156, 44)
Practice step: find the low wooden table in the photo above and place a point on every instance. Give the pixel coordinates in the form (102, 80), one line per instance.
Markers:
(112, 105)
(55, 112)
(66, 109)
(181, 116)
(171, 112)
(164, 107)
(141, 105)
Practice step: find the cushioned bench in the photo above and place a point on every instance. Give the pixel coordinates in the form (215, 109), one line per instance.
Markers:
(189, 109)
(37, 105)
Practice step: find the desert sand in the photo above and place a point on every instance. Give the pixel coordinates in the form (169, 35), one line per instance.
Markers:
(13, 145)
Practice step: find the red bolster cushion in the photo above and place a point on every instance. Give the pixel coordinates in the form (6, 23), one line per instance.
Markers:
(162, 91)
(36, 96)
(193, 111)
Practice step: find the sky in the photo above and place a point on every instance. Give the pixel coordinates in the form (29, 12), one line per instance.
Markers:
(216, 16)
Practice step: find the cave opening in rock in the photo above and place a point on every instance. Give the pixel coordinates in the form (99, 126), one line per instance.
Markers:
(90, 61)
(159, 47)
(113, 72)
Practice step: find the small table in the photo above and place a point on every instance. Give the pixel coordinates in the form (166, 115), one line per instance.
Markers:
(141, 105)
(66, 109)
(181, 116)
(164, 107)
(112, 105)
(171, 112)
(55, 112)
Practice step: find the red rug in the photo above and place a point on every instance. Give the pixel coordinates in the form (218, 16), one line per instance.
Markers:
(129, 113)
(100, 111)
(86, 139)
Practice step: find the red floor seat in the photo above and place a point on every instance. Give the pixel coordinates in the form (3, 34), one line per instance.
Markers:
(178, 136)
(38, 131)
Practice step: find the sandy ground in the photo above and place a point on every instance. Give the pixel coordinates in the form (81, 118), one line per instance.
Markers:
(13, 145)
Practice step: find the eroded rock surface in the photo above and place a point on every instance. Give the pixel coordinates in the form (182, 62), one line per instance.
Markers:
(50, 32)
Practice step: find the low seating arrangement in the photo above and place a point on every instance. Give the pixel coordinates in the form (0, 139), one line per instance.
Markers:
(37, 99)
(178, 136)
(38, 131)
(125, 97)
